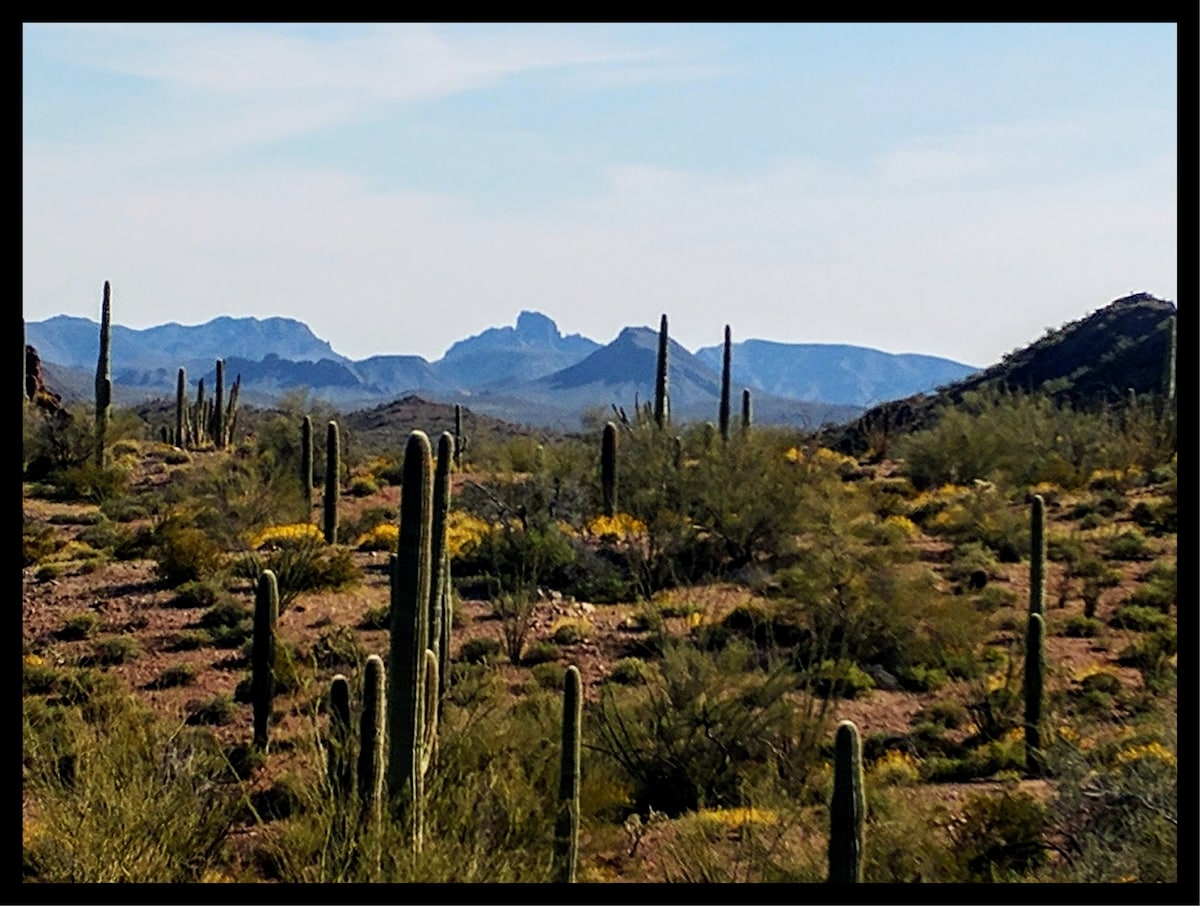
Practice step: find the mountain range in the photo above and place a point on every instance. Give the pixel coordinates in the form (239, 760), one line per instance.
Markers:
(530, 373)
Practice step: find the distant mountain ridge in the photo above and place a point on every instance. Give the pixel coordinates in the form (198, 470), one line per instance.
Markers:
(530, 373)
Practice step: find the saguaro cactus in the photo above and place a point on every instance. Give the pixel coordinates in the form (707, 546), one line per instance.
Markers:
(262, 663)
(1035, 672)
(745, 410)
(306, 463)
(726, 360)
(104, 375)
(566, 826)
(407, 751)
(661, 398)
(181, 409)
(332, 466)
(1037, 556)
(460, 440)
(198, 415)
(231, 411)
(439, 558)
(608, 469)
(848, 807)
(340, 761)
(218, 413)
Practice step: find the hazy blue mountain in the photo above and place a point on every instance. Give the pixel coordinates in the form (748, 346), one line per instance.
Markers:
(833, 373)
(75, 342)
(499, 355)
(397, 375)
(624, 372)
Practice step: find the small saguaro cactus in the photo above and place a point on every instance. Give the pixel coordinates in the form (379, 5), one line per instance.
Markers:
(726, 361)
(231, 410)
(104, 375)
(306, 463)
(460, 440)
(332, 466)
(566, 825)
(408, 754)
(1035, 675)
(661, 396)
(848, 807)
(1037, 556)
(262, 663)
(198, 414)
(341, 741)
(370, 740)
(181, 409)
(745, 410)
(608, 469)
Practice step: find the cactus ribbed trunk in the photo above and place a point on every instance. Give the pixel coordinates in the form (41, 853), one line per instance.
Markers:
(218, 412)
(726, 361)
(1035, 674)
(745, 410)
(848, 807)
(661, 392)
(333, 465)
(341, 741)
(459, 440)
(231, 411)
(104, 376)
(181, 409)
(262, 666)
(370, 741)
(566, 825)
(198, 415)
(608, 469)
(439, 559)
(306, 464)
(1037, 555)
(409, 639)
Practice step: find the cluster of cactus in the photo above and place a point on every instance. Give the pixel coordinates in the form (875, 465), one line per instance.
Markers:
(342, 765)
(103, 376)
(1035, 640)
(333, 465)
(207, 420)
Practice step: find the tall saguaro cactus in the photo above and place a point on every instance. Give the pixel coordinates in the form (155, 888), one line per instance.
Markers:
(198, 415)
(745, 410)
(439, 558)
(332, 467)
(370, 741)
(407, 752)
(566, 825)
(726, 361)
(104, 375)
(218, 414)
(306, 463)
(848, 807)
(262, 664)
(608, 469)
(1037, 555)
(661, 398)
(1035, 677)
(460, 440)
(341, 741)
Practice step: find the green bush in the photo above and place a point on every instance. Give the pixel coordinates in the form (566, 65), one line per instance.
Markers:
(37, 541)
(1080, 627)
(1000, 838)
(571, 632)
(220, 709)
(184, 553)
(1129, 545)
(479, 650)
(1139, 619)
(80, 626)
(176, 675)
(630, 671)
(306, 565)
(116, 650)
(540, 653)
(338, 647)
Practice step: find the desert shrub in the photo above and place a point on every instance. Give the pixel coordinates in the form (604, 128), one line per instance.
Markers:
(37, 541)
(1079, 626)
(921, 678)
(189, 640)
(176, 675)
(220, 709)
(204, 594)
(92, 483)
(479, 650)
(1157, 517)
(570, 631)
(383, 537)
(1129, 545)
(80, 626)
(1000, 838)
(630, 671)
(306, 564)
(115, 650)
(377, 617)
(1153, 596)
(541, 653)
(362, 486)
(703, 729)
(516, 613)
(184, 553)
(995, 597)
(840, 679)
(338, 647)
(1139, 619)
(945, 713)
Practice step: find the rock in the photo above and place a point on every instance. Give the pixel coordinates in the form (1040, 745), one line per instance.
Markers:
(883, 679)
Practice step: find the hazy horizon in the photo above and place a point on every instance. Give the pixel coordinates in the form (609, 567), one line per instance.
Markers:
(942, 189)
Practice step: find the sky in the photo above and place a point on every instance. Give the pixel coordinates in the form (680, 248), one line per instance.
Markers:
(947, 189)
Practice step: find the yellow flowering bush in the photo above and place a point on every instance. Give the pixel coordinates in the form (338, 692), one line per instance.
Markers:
(285, 535)
(464, 532)
(896, 769)
(733, 818)
(620, 527)
(1152, 750)
(382, 537)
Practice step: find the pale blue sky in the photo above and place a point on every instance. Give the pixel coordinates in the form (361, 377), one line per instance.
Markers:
(949, 189)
